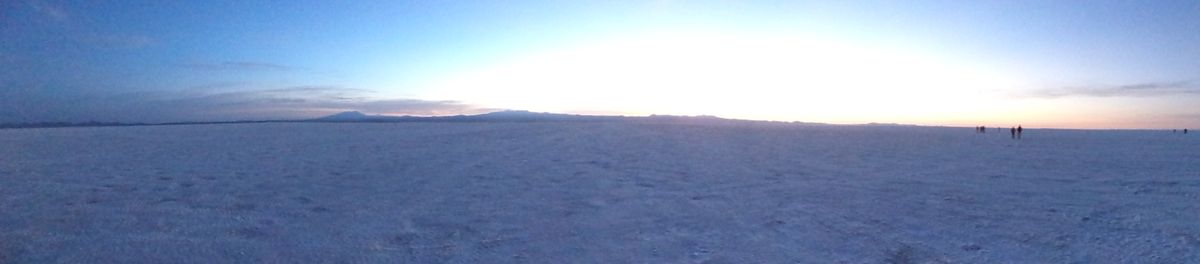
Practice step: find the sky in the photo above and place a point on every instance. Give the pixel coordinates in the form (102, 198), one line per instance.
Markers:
(1063, 64)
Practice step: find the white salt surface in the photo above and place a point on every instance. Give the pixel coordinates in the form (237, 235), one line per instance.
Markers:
(595, 193)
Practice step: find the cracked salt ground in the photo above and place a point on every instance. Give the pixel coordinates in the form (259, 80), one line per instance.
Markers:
(602, 192)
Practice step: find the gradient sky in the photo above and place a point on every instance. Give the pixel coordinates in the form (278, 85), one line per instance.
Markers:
(1071, 64)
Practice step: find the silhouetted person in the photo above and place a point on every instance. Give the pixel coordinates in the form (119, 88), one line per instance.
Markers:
(1013, 132)
(982, 129)
(1019, 132)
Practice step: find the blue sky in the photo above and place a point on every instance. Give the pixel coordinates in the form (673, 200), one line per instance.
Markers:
(1086, 64)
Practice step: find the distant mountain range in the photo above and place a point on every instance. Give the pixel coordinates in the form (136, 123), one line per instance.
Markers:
(501, 116)
(359, 117)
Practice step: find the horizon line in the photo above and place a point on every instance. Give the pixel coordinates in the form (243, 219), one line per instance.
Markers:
(376, 118)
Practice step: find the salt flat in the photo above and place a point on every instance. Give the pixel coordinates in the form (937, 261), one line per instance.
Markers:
(598, 192)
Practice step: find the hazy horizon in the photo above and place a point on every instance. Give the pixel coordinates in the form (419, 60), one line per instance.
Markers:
(1061, 64)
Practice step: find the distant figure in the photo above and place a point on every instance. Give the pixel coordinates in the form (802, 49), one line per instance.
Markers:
(1013, 132)
(982, 129)
(1019, 132)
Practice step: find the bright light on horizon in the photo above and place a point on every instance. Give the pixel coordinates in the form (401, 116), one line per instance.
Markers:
(769, 77)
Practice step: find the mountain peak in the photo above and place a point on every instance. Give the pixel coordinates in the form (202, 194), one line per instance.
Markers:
(345, 116)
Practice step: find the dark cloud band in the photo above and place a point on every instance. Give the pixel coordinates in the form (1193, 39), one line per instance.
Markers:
(1128, 90)
(266, 104)
(238, 65)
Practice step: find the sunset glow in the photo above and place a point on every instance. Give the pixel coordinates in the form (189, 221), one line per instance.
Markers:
(754, 77)
(1044, 64)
